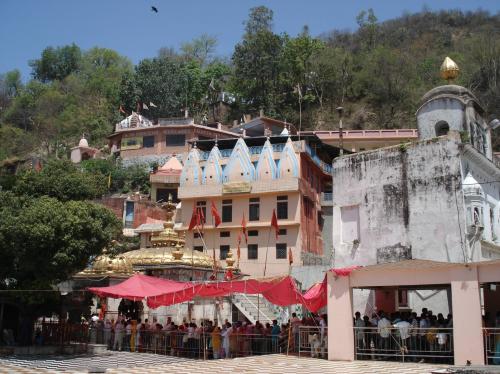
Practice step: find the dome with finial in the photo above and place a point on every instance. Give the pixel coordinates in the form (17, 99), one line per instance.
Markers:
(83, 142)
(168, 248)
(449, 69)
(106, 265)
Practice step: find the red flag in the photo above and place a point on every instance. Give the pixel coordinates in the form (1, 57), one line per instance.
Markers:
(201, 218)
(215, 215)
(290, 256)
(244, 228)
(122, 110)
(194, 220)
(274, 223)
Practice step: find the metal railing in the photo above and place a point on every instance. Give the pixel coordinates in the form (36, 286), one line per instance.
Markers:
(60, 333)
(406, 344)
(311, 341)
(492, 345)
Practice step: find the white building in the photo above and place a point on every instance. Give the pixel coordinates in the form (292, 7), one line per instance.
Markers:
(436, 199)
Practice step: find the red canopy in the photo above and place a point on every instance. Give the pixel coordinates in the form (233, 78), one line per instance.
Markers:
(279, 291)
(139, 287)
(315, 297)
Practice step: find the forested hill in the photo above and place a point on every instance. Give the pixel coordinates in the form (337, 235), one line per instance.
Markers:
(377, 73)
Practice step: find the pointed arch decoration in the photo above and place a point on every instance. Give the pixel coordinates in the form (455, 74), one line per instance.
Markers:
(212, 174)
(191, 172)
(239, 167)
(288, 165)
(266, 166)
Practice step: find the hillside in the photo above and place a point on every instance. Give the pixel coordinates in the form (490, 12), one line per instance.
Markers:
(377, 73)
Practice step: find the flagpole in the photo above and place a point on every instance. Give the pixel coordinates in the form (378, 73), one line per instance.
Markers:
(267, 249)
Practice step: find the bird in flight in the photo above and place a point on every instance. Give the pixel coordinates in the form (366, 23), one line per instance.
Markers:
(154, 9)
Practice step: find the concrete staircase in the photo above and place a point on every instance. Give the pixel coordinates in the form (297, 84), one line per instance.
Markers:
(255, 308)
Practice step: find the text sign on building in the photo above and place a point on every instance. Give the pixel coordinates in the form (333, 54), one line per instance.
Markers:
(236, 187)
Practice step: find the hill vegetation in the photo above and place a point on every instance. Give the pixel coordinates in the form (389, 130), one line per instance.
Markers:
(377, 73)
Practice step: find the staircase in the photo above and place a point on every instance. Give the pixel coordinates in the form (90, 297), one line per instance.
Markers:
(255, 308)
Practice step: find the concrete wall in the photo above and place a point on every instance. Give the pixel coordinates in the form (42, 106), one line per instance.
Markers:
(406, 201)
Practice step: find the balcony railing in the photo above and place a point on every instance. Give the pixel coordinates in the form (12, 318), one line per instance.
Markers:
(327, 196)
(257, 150)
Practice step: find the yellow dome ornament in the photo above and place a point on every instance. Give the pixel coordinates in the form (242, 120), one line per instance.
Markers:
(449, 69)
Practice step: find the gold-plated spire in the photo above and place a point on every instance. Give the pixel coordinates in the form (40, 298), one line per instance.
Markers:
(230, 260)
(168, 247)
(449, 69)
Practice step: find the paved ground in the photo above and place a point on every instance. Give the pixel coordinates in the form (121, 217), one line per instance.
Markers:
(135, 363)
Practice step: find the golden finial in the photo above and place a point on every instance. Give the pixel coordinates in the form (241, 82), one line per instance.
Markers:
(230, 260)
(449, 69)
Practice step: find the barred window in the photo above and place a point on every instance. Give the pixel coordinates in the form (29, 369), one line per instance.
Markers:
(225, 234)
(253, 232)
(281, 251)
(254, 209)
(253, 250)
(282, 207)
(227, 210)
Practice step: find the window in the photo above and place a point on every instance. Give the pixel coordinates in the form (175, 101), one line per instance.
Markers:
(224, 249)
(282, 207)
(253, 232)
(349, 216)
(203, 206)
(442, 128)
(131, 143)
(225, 234)
(175, 140)
(253, 250)
(254, 209)
(198, 235)
(281, 232)
(227, 210)
(148, 141)
(198, 248)
(403, 298)
(281, 251)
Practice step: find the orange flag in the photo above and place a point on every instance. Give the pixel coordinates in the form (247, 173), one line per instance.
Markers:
(194, 219)
(244, 228)
(274, 223)
(215, 214)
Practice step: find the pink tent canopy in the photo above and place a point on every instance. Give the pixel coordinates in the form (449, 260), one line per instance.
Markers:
(139, 287)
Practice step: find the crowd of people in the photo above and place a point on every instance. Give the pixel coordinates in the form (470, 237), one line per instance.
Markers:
(424, 337)
(207, 339)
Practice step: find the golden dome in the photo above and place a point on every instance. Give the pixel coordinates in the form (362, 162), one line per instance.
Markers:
(168, 248)
(449, 69)
(104, 265)
(160, 256)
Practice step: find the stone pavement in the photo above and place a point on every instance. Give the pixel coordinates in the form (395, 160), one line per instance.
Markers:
(138, 363)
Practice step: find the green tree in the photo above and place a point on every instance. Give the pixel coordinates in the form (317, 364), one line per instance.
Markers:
(201, 49)
(260, 20)
(44, 241)
(61, 179)
(57, 63)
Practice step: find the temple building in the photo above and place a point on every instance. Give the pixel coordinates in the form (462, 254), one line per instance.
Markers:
(246, 179)
(162, 255)
(432, 199)
(83, 151)
(137, 140)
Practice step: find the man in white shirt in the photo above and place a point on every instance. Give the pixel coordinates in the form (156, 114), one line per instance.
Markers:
(404, 333)
(384, 331)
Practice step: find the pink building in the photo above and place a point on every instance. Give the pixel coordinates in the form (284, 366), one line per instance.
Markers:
(250, 178)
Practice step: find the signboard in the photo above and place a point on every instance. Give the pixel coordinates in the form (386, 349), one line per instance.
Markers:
(236, 187)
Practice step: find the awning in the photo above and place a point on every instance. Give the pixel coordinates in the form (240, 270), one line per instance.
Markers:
(139, 287)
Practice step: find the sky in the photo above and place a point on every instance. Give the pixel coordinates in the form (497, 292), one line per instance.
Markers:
(132, 29)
